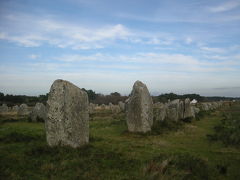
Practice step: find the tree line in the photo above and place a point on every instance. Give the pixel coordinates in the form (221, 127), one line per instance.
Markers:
(172, 96)
(113, 98)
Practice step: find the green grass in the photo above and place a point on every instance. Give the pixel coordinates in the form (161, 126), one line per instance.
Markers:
(184, 152)
(228, 129)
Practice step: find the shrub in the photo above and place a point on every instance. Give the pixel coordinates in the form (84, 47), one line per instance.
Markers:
(178, 166)
(228, 131)
(14, 137)
(160, 127)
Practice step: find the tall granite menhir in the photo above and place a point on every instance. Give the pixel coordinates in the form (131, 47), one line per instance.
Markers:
(67, 122)
(139, 109)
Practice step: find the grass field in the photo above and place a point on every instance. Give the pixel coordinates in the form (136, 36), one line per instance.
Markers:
(113, 153)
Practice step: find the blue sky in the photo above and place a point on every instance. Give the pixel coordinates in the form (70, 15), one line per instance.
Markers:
(170, 45)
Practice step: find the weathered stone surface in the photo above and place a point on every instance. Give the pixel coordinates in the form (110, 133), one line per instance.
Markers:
(4, 108)
(181, 109)
(91, 108)
(215, 105)
(115, 109)
(15, 108)
(121, 105)
(204, 107)
(103, 106)
(67, 121)
(188, 111)
(140, 109)
(195, 109)
(174, 110)
(159, 112)
(23, 110)
(193, 112)
(38, 113)
(210, 106)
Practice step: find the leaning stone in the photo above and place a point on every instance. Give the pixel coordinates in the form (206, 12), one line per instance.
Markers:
(140, 109)
(67, 120)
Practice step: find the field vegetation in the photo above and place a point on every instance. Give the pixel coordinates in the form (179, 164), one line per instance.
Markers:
(206, 148)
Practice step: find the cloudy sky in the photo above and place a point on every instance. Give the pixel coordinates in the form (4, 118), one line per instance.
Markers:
(187, 46)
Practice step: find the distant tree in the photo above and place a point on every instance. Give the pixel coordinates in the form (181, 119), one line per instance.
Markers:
(193, 96)
(1, 96)
(43, 98)
(91, 94)
(167, 96)
(172, 96)
(115, 94)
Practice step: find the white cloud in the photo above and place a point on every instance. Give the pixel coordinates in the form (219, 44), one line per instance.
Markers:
(77, 58)
(25, 40)
(32, 31)
(213, 50)
(2, 35)
(33, 56)
(188, 40)
(151, 58)
(216, 57)
(227, 6)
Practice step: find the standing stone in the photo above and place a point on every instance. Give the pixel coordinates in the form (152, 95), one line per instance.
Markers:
(121, 105)
(181, 109)
(159, 112)
(103, 106)
(38, 113)
(140, 109)
(195, 109)
(188, 113)
(15, 108)
(3, 108)
(91, 108)
(115, 109)
(204, 107)
(111, 106)
(215, 105)
(67, 121)
(23, 110)
(174, 110)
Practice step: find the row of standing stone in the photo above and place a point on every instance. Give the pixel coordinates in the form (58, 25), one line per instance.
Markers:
(23, 109)
(66, 114)
(67, 121)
